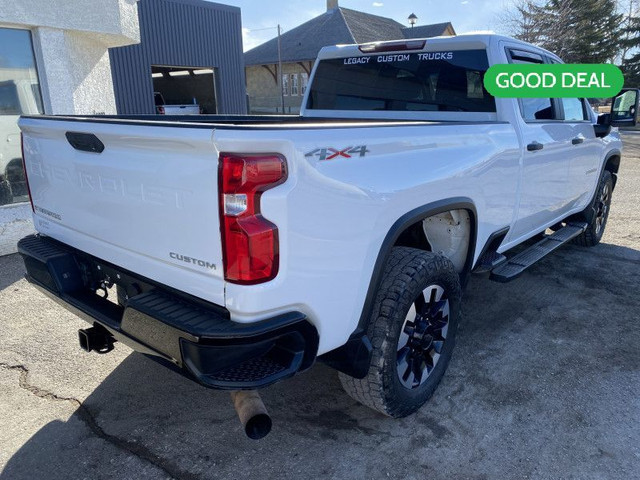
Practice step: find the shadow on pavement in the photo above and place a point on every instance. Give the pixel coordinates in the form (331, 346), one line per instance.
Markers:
(526, 395)
(11, 270)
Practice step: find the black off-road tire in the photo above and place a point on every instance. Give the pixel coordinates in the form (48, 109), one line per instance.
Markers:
(593, 213)
(407, 273)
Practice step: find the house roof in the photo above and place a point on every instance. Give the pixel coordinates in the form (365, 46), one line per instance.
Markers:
(427, 31)
(370, 28)
(336, 26)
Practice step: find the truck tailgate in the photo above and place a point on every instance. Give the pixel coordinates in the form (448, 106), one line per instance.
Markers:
(147, 203)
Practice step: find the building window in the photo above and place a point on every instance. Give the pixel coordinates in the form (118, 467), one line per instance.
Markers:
(294, 84)
(285, 84)
(305, 81)
(19, 95)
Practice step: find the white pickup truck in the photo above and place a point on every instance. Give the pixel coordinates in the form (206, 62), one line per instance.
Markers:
(243, 249)
(163, 109)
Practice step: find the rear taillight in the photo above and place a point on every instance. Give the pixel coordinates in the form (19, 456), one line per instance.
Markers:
(160, 110)
(249, 241)
(24, 168)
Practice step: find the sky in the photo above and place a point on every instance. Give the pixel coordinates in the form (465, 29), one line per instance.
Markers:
(260, 17)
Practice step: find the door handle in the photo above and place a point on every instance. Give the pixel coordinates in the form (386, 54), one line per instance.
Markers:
(533, 146)
(577, 141)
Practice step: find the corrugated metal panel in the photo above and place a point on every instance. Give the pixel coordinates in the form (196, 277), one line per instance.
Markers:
(190, 33)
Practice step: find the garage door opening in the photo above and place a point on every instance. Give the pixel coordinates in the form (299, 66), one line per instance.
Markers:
(184, 90)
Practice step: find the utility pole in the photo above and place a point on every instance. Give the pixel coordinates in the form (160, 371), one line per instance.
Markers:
(280, 72)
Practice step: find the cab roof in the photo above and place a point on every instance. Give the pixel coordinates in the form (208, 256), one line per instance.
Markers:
(464, 41)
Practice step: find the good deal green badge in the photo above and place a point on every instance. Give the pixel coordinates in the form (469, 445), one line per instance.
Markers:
(553, 81)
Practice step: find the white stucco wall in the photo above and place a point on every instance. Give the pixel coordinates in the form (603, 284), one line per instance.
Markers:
(71, 39)
(116, 19)
(77, 70)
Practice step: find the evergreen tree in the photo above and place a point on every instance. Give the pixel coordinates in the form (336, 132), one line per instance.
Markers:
(630, 44)
(522, 20)
(631, 70)
(578, 31)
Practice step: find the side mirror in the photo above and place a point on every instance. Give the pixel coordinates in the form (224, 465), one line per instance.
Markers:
(624, 111)
(603, 127)
(624, 108)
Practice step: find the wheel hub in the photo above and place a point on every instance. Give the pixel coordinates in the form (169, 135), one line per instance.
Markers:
(422, 336)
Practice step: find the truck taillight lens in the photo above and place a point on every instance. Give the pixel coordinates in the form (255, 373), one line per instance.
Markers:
(249, 241)
(26, 176)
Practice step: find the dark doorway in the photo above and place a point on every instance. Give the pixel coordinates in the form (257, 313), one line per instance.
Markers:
(185, 86)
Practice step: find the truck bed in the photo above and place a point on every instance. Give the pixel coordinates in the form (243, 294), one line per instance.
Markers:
(149, 201)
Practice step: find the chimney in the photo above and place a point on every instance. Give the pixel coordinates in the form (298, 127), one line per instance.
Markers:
(331, 4)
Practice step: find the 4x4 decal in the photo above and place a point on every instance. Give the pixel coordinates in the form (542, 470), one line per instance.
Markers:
(329, 153)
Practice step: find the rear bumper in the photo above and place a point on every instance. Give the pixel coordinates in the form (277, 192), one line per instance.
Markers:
(193, 335)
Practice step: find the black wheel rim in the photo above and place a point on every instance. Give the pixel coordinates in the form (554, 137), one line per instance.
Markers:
(602, 209)
(422, 336)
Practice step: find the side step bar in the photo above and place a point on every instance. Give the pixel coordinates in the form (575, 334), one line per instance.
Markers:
(489, 261)
(513, 267)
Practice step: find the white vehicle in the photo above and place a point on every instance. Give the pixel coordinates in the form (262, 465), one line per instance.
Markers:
(17, 97)
(163, 109)
(245, 248)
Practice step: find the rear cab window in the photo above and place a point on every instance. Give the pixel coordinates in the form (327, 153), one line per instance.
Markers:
(444, 81)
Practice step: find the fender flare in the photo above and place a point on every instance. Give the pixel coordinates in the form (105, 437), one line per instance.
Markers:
(611, 153)
(408, 219)
(353, 357)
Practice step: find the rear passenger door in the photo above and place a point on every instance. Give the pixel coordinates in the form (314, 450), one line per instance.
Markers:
(544, 194)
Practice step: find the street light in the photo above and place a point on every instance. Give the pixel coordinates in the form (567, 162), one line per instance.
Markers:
(413, 19)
